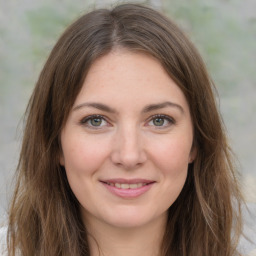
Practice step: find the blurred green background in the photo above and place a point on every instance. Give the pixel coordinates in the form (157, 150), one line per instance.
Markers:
(224, 31)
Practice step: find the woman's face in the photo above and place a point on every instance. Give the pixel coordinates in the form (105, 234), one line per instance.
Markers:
(127, 142)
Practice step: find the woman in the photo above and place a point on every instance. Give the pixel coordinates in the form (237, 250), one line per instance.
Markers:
(124, 151)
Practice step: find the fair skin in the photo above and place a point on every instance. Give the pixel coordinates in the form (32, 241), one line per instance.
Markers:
(126, 148)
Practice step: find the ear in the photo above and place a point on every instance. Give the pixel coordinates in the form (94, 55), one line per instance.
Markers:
(61, 155)
(192, 155)
(62, 160)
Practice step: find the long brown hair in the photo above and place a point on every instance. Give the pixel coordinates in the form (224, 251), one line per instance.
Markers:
(44, 216)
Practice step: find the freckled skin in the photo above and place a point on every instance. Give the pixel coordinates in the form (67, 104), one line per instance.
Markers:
(127, 144)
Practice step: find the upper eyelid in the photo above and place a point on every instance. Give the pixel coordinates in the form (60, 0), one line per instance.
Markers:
(88, 117)
(164, 116)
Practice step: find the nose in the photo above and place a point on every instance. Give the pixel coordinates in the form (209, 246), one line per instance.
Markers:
(128, 149)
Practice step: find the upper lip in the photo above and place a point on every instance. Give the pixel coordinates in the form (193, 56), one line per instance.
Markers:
(127, 181)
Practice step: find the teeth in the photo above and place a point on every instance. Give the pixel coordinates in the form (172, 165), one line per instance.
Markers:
(133, 186)
(118, 185)
(127, 186)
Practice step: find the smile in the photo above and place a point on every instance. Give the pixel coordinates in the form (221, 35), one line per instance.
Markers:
(128, 188)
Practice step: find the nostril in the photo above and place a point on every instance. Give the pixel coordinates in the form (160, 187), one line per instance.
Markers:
(128, 160)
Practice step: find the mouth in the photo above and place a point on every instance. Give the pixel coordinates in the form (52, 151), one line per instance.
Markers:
(128, 188)
(127, 185)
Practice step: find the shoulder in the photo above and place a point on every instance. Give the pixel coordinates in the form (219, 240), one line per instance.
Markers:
(252, 253)
(3, 244)
(247, 245)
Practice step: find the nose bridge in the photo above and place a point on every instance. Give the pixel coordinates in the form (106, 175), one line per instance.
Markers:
(128, 150)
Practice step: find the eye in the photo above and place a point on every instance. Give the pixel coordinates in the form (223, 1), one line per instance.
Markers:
(94, 121)
(161, 121)
(158, 121)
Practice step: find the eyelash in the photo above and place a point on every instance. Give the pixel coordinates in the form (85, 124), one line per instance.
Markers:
(85, 121)
(169, 119)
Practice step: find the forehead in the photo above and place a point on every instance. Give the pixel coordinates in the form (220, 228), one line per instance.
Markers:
(133, 76)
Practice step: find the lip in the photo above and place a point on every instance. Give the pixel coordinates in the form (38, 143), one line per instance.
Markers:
(130, 192)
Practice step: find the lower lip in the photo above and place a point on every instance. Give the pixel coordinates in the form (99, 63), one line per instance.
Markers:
(128, 193)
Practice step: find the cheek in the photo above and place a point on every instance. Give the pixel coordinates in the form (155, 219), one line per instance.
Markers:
(172, 161)
(171, 158)
(172, 155)
(82, 155)
(82, 159)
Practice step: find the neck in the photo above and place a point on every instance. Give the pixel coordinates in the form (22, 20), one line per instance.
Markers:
(106, 240)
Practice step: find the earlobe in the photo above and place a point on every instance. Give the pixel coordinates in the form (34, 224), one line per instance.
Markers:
(61, 155)
(62, 161)
(192, 155)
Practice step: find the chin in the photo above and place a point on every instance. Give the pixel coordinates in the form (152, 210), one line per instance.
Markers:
(132, 222)
(131, 218)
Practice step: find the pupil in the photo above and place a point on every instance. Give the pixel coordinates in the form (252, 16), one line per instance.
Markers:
(96, 122)
(158, 121)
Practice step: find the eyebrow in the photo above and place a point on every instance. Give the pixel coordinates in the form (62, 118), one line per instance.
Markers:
(146, 109)
(165, 104)
(99, 106)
